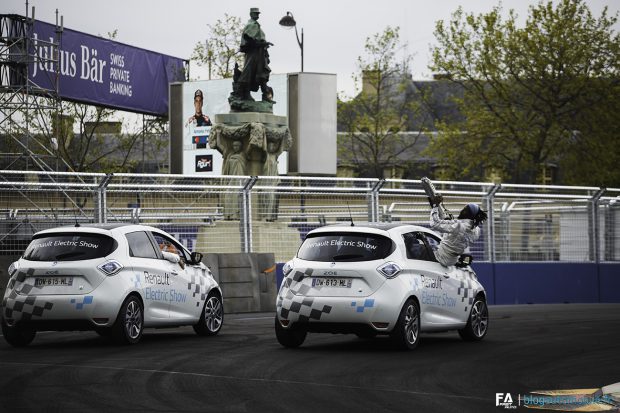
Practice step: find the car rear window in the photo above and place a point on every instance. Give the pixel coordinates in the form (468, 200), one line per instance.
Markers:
(69, 247)
(349, 246)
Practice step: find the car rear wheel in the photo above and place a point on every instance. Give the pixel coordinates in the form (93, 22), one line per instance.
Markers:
(406, 334)
(130, 322)
(17, 336)
(478, 322)
(290, 337)
(212, 316)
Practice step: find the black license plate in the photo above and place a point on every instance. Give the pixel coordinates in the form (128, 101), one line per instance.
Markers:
(53, 281)
(332, 282)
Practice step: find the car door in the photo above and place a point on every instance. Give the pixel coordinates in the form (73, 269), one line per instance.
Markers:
(428, 278)
(151, 279)
(182, 303)
(454, 300)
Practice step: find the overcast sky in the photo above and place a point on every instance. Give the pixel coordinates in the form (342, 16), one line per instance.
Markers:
(334, 30)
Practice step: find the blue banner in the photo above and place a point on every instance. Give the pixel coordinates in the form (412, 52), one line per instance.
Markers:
(102, 72)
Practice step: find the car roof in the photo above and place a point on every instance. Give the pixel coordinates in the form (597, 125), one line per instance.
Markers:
(373, 227)
(101, 228)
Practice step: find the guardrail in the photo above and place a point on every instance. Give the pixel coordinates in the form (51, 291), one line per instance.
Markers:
(273, 214)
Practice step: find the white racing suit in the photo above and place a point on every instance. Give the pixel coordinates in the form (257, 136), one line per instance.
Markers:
(459, 235)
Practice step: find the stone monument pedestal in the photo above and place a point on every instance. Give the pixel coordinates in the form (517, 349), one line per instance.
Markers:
(254, 130)
(250, 143)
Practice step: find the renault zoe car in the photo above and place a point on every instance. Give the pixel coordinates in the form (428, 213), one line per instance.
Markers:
(116, 279)
(377, 279)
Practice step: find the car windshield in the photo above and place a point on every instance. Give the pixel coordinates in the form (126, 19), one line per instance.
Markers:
(69, 247)
(345, 246)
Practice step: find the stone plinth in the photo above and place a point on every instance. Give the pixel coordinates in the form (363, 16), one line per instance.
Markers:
(250, 143)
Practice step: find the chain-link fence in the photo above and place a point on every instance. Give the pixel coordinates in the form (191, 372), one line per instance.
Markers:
(274, 214)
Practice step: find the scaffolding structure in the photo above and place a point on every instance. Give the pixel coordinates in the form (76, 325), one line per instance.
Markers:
(29, 111)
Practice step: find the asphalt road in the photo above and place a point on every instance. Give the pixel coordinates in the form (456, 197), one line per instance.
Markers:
(244, 369)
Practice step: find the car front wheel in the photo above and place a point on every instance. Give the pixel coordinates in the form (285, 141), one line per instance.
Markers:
(17, 336)
(478, 322)
(212, 316)
(290, 337)
(130, 322)
(406, 333)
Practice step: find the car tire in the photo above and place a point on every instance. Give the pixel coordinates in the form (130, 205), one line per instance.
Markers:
(16, 336)
(406, 333)
(290, 337)
(477, 323)
(212, 316)
(129, 323)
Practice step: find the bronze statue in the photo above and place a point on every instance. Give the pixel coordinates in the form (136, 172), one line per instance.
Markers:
(255, 73)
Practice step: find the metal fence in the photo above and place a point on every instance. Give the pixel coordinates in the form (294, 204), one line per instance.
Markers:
(274, 214)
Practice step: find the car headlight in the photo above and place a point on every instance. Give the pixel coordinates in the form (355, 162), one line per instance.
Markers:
(13, 268)
(389, 270)
(287, 268)
(110, 267)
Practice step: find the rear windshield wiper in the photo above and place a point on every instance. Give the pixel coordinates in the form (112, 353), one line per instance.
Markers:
(69, 254)
(346, 257)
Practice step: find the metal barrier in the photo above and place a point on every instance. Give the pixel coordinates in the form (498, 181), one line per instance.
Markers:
(222, 214)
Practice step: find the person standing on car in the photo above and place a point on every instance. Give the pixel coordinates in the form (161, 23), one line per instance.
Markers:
(460, 232)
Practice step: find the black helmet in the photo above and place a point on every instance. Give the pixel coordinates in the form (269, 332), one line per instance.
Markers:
(473, 212)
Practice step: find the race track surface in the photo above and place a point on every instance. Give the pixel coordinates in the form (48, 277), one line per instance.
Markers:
(244, 369)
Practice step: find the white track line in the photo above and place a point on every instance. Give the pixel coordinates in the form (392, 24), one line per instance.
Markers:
(252, 379)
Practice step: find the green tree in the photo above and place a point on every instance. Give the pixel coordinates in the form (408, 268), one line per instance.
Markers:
(375, 121)
(546, 92)
(221, 50)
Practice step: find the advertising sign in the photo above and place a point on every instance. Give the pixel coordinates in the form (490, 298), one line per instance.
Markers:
(102, 72)
(207, 98)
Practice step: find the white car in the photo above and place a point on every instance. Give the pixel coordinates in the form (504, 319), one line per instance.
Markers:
(377, 279)
(115, 279)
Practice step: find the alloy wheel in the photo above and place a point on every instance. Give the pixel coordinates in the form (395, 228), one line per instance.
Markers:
(213, 314)
(133, 320)
(479, 318)
(411, 324)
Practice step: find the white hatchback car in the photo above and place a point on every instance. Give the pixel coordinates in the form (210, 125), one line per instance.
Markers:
(376, 279)
(115, 279)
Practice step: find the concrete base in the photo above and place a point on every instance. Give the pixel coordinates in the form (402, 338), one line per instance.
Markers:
(248, 281)
(241, 118)
(267, 237)
(5, 262)
(276, 237)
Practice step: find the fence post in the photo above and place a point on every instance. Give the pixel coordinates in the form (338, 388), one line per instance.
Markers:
(101, 216)
(595, 245)
(374, 201)
(245, 223)
(489, 198)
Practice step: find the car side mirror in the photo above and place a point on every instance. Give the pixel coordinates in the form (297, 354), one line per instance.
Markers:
(464, 260)
(196, 257)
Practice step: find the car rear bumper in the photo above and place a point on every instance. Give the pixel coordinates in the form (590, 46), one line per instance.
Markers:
(377, 312)
(62, 312)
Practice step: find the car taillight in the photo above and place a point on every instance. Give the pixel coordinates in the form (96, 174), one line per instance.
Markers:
(287, 268)
(13, 268)
(110, 267)
(389, 270)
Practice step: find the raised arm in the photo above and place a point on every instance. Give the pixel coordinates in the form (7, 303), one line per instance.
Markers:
(439, 223)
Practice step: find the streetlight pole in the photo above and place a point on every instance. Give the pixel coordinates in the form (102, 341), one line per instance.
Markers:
(209, 56)
(289, 21)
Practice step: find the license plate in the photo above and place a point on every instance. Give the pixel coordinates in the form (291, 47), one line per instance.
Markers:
(53, 281)
(332, 282)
